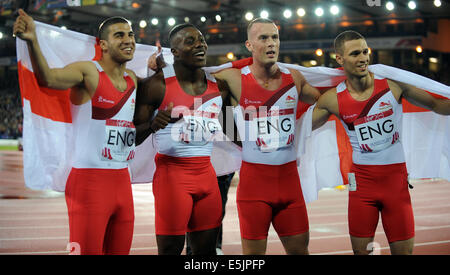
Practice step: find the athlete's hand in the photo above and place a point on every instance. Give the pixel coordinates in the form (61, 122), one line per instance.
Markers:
(156, 60)
(24, 27)
(162, 118)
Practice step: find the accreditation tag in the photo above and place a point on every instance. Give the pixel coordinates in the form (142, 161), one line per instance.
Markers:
(351, 182)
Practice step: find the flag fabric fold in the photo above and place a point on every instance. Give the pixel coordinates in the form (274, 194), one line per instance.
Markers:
(323, 154)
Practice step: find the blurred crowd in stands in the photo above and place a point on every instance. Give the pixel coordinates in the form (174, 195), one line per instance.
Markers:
(11, 117)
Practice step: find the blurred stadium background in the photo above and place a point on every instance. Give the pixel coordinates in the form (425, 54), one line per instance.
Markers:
(412, 35)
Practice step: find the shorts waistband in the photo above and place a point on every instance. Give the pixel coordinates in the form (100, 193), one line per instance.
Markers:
(188, 161)
(386, 168)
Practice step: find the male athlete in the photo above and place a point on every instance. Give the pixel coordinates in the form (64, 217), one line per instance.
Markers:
(98, 190)
(269, 190)
(370, 110)
(187, 101)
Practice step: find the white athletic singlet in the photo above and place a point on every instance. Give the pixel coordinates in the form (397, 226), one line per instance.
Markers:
(193, 134)
(104, 133)
(266, 120)
(373, 125)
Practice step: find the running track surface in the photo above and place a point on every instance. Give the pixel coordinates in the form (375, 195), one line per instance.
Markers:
(36, 222)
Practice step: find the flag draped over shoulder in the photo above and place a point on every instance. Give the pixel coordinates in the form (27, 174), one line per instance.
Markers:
(324, 155)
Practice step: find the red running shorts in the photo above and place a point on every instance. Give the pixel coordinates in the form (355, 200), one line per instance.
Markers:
(270, 194)
(380, 189)
(101, 212)
(187, 196)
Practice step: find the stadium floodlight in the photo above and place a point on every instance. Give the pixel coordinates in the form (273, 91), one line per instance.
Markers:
(287, 13)
(142, 24)
(249, 16)
(218, 18)
(155, 21)
(412, 5)
(437, 3)
(390, 6)
(264, 14)
(433, 60)
(301, 12)
(186, 19)
(171, 21)
(318, 11)
(203, 19)
(319, 52)
(334, 9)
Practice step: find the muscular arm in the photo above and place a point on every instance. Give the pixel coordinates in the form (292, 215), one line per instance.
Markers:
(421, 98)
(326, 106)
(60, 78)
(307, 93)
(149, 97)
(229, 83)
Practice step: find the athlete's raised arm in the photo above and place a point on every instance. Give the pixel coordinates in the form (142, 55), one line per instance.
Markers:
(58, 78)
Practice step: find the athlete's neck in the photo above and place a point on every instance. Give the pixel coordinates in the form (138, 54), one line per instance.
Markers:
(265, 72)
(188, 74)
(113, 69)
(359, 84)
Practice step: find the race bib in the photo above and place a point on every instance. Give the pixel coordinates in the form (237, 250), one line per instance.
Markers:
(376, 132)
(198, 128)
(275, 130)
(119, 143)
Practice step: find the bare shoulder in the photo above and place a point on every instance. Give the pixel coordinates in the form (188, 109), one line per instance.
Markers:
(328, 100)
(86, 67)
(152, 89)
(396, 88)
(228, 74)
(393, 84)
(330, 94)
(132, 74)
(297, 75)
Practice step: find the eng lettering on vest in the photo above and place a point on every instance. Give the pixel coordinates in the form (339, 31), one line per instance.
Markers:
(119, 143)
(376, 132)
(197, 127)
(272, 130)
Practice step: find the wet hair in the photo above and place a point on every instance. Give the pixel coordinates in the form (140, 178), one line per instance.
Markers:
(344, 37)
(103, 29)
(258, 20)
(178, 28)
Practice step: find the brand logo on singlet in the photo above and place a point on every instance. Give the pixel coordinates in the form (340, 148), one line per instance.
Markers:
(290, 101)
(133, 104)
(349, 116)
(385, 106)
(104, 100)
(249, 101)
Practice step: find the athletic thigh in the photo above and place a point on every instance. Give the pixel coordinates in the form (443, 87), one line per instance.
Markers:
(173, 204)
(397, 213)
(207, 202)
